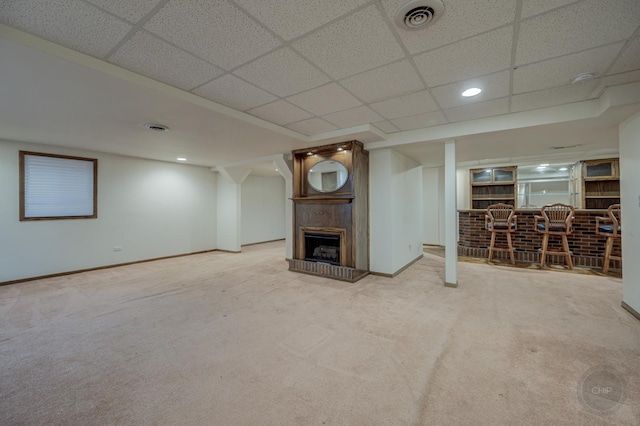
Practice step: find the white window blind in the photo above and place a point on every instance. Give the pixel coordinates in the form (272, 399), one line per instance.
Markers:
(58, 187)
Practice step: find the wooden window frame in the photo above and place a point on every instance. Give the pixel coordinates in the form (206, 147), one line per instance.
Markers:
(67, 157)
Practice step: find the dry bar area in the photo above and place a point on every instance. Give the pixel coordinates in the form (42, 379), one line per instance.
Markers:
(586, 246)
(588, 188)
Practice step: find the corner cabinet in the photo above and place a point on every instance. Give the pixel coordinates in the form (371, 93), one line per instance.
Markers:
(600, 183)
(492, 185)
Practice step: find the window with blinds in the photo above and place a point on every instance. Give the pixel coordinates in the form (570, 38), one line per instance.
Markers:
(57, 187)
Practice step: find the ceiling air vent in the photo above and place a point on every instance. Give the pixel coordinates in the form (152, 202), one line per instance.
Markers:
(566, 146)
(156, 127)
(417, 14)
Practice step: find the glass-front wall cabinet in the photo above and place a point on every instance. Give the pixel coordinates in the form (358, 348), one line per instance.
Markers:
(492, 185)
(601, 183)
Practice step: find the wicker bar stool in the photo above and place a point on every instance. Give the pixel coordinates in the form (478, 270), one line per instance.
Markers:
(611, 228)
(501, 219)
(555, 219)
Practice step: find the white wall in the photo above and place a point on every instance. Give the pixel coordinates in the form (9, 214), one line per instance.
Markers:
(395, 211)
(229, 206)
(150, 208)
(630, 200)
(433, 205)
(463, 195)
(263, 209)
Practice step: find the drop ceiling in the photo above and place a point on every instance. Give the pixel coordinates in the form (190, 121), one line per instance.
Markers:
(242, 79)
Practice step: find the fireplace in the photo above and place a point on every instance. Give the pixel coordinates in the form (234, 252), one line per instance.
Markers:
(331, 211)
(322, 248)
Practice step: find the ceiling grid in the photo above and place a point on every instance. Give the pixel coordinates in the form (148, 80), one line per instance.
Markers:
(322, 67)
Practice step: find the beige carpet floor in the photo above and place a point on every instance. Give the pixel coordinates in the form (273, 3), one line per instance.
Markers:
(237, 339)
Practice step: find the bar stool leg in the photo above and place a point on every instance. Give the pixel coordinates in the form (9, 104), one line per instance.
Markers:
(492, 245)
(607, 255)
(565, 246)
(513, 261)
(543, 254)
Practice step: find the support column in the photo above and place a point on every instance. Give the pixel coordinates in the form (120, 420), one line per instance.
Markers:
(229, 208)
(450, 216)
(284, 168)
(630, 200)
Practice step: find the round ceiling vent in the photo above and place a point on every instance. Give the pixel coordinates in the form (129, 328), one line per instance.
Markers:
(156, 127)
(417, 14)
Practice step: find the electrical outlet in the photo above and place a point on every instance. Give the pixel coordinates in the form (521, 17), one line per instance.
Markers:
(117, 248)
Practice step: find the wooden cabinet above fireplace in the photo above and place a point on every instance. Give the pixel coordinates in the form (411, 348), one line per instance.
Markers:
(331, 210)
(327, 171)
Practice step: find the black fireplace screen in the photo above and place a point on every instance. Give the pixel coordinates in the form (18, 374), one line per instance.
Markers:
(322, 248)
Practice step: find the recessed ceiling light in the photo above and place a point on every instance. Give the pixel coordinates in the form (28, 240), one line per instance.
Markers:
(563, 169)
(472, 91)
(156, 127)
(340, 148)
(309, 153)
(276, 170)
(181, 159)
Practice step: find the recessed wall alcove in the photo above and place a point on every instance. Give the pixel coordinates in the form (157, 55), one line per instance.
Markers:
(331, 211)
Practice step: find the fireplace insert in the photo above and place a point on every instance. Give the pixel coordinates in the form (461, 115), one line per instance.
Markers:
(322, 248)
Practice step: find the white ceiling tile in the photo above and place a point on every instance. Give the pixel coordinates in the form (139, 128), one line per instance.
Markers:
(412, 104)
(551, 97)
(71, 23)
(312, 126)
(493, 86)
(479, 55)
(150, 56)
(280, 112)
(293, 18)
(214, 30)
(353, 117)
(357, 43)
(614, 80)
(478, 110)
(562, 70)
(576, 27)
(131, 10)
(384, 82)
(229, 90)
(420, 121)
(282, 72)
(386, 126)
(325, 100)
(630, 58)
(535, 7)
(461, 19)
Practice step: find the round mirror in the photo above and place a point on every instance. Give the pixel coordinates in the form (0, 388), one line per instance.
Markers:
(327, 176)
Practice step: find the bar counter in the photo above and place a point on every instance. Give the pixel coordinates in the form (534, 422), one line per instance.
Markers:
(586, 246)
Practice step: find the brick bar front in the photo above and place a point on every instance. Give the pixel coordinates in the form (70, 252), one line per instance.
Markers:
(587, 247)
